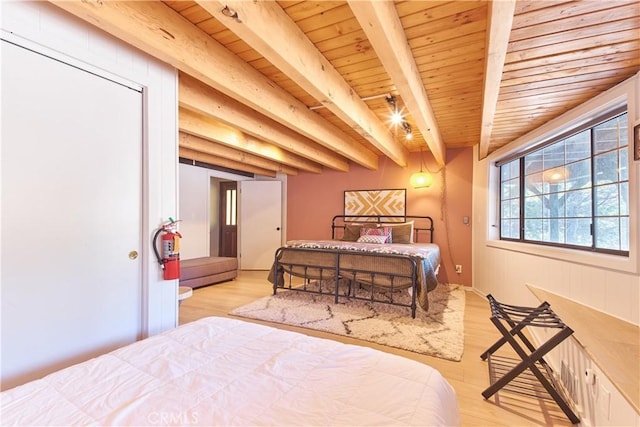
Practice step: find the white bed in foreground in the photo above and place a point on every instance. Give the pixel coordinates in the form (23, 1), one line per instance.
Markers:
(221, 371)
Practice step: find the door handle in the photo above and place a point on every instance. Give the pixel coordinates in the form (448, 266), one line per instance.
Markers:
(277, 228)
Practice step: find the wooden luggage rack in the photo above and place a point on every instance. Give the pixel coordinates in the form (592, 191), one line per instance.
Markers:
(511, 373)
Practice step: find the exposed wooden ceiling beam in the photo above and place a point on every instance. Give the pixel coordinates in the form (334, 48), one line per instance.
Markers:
(197, 96)
(161, 32)
(381, 24)
(225, 163)
(266, 28)
(499, 22)
(207, 128)
(202, 145)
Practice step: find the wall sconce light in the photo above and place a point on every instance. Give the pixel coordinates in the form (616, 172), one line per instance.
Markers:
(422, 179)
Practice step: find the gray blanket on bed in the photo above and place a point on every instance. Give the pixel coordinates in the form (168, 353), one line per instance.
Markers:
(318, 259)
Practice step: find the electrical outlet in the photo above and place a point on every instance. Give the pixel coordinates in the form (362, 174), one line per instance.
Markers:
(590, 377)
(458, 269)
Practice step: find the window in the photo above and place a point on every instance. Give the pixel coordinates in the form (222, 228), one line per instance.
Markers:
(230, 210)
(572, 191)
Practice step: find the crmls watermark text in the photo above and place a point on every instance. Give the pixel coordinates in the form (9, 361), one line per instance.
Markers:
(172, 418)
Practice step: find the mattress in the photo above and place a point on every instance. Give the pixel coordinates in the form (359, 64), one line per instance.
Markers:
(223, 371)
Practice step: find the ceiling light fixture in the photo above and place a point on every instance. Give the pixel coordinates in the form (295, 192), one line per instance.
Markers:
(227, 11)
(422, 179)
(397, 118)
(408, 132)
(396, 115)
(391, 100)
(556, 175)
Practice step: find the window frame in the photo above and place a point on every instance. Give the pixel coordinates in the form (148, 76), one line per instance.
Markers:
(521, 158)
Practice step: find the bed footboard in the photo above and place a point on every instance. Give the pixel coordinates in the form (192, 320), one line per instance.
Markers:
(307, 264)
(375, 277)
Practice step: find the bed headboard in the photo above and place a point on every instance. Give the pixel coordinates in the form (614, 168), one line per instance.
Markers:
(422, 224)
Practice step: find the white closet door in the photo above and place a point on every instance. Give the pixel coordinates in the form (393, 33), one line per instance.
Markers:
(260, 223)
(71, 214)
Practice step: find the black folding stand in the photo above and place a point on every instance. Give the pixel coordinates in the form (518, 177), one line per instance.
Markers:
(510, 321)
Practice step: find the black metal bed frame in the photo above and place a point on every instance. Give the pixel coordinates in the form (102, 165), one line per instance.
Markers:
(341, 221)
(361, 281)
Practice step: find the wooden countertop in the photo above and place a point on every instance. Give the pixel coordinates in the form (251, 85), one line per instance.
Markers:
(610, 342)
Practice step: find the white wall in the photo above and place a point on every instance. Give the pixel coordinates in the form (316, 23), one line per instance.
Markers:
(196, 202)
(194, 212)
(44, 24)
(195, 206)
(606, 283)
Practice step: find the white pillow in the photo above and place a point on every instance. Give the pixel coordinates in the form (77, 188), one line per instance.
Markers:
(372, 239)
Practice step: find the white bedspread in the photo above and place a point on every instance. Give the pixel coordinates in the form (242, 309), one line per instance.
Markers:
(220, 371)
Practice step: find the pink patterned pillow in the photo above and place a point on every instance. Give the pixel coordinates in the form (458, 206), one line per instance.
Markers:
(380, 231)
(372, 239)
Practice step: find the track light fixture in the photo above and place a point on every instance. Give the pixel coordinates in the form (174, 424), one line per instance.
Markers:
(397, 118)
(408, 132)
(227, 11)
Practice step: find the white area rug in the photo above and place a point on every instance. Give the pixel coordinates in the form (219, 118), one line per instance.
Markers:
(437, 333)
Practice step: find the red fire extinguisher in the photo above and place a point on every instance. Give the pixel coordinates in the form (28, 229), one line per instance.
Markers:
(170, 259)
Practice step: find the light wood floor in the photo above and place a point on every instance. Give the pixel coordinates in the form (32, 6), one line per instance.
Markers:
(469, 377)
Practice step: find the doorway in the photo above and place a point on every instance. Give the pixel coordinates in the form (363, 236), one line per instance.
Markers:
(244, 218)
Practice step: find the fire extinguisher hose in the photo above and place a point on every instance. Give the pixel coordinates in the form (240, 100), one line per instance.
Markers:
(155, 247)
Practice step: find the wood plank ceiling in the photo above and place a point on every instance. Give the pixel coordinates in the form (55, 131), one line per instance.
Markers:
(293, 86)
